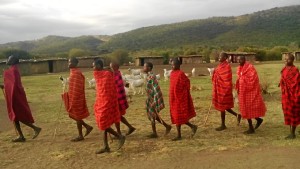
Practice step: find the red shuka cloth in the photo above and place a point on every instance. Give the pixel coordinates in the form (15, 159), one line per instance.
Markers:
(290, 89)
(76, 103)
(249, 93)
(181, 103)
(106, 105)
(17, 105)
(122, 100)
(222, 97)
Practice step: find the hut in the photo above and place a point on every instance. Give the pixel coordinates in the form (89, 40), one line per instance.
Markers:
(232, 56)
(187, 59)
(296, 54)
(87, 61)
(156, 60)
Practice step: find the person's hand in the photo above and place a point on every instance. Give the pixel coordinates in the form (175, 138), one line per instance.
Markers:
(1, 86)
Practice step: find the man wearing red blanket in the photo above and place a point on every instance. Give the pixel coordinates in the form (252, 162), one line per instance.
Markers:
(181, 103)
(249, 92)
(16, 101)
(76, 106)
(290, 89)
(106, 106)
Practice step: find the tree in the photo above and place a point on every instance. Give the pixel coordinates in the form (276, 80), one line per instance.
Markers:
(75, 52)
(21, 54)
(120, 56)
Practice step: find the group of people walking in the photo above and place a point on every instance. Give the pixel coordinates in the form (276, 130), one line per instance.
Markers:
(111, 103)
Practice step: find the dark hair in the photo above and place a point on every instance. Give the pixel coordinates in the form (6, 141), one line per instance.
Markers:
(291, 56)
(149, 64)
(224, 54)
(99, 62)
(74, 60)
(176, 61)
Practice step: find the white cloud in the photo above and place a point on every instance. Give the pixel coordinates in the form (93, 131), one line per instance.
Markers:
(32, 19)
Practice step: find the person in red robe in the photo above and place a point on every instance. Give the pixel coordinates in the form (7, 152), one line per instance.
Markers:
(251, 103)
(122, 99)
(106, 108)
(16, 101)
(290, 95)
(181, 103)
(76, 106)
(222, 97)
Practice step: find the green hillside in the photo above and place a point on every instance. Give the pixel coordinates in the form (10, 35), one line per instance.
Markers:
(277, 26)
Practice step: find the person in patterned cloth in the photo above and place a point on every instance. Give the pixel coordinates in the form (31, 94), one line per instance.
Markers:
(248, 88)
(154, 101)
(76, 102)
(222, 90)
(181, 103)
(290, 98)
(123, 104)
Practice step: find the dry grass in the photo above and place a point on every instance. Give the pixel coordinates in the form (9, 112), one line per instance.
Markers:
(43, 92)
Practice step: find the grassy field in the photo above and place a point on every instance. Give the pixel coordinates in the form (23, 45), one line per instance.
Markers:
(47, 151)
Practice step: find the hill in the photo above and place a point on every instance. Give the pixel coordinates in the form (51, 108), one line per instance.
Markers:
(277, 26)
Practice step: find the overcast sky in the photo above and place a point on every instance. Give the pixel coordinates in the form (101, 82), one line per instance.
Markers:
(33, 19)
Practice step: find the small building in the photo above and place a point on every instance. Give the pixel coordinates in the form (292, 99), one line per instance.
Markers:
(232, 56)
(156, 60)
(296, 54)
(191, 59)
(87, 61)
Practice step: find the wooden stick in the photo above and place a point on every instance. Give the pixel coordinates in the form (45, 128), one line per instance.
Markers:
(207, 114)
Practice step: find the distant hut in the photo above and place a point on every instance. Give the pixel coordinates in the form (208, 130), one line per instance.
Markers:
(87, 61)
(232, 56)
(187, 59)
(156, 60)
(296, 54)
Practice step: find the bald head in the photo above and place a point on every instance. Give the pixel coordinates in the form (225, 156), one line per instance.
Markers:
(73, 62)
(176, 64)
(12, 60)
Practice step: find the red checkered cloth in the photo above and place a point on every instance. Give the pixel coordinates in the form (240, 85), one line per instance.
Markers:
(290, 89)
(222, 97)
(123, 104)
(249, 93)
(181, 103)
(16, 101)
(76, 102)
(106, 105)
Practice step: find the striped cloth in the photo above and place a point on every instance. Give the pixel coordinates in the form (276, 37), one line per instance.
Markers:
(123, 104)
(16, 101)
(106, 105)
(290, 89)
(154, 101)
(222, 97)
(249, 93)
(181, 103)
(77, 107)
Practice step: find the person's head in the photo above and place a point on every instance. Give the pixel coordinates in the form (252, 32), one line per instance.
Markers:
(289, 59)
(98, 64)
(241, 60)
(176, 64)
(114, 66)
(223, 56)
(12, 60)
(73, 62)
(148, 66)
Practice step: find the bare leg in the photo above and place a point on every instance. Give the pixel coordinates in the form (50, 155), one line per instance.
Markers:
(251, 128)
(258, 122)
(236, 115)
(223, 126)
(119, 136)
(36, 129)
(79, 128)
(88, 128)
(193, 127)
(21, 137)
(167, 126)
(131, 129)
(118, 128)
(105, 144)
(154, 133)
(178, 127)
(292, 135)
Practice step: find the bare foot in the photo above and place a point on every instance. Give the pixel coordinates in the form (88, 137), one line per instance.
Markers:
(103, 150)
(131, 130)
(79, 138)
(194, 130)
(153, 135)
(290, 137)
(36, 132)
(221, 128)
(168, 129)
(88, 130)
(249, 131)
(121, 141)
(19, 139)
(258, 123)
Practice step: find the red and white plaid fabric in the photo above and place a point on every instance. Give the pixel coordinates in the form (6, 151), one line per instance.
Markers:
(290, 89)
(249, 93)
(122, 100)
(106, 105)
(181, 103)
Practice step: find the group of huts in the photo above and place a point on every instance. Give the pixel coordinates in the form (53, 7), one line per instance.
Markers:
(28, 67)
